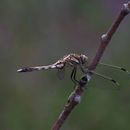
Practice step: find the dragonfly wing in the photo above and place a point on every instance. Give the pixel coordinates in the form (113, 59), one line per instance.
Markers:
(61, 73)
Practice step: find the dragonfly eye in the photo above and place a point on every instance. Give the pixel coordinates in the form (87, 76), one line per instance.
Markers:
(84, 59)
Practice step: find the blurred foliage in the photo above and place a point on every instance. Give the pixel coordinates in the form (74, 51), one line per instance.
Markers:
(40, 32)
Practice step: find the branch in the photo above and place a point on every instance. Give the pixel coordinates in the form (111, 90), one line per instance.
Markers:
(75, 96)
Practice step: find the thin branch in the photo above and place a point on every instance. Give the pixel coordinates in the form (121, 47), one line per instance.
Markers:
(75, 96)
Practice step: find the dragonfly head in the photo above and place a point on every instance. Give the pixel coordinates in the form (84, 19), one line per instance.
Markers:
(84, 59)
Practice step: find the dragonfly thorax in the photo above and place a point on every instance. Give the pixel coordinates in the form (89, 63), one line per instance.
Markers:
(74, 60)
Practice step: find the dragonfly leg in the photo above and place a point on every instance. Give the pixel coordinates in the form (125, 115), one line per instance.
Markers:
(116, 67)
(73, 76)
(106, 77)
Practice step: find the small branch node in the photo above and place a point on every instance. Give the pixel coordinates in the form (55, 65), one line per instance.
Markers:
(77, 98)
(104, 38)
(126, 8)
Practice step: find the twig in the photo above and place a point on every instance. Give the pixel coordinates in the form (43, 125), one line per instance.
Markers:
(75, 96)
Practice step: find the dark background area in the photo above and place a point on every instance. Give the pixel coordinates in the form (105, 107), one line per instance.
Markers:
(39, 32)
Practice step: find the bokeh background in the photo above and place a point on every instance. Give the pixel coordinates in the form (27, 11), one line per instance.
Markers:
(39, 32)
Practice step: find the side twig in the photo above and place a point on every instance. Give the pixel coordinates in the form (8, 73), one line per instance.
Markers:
(75, 96)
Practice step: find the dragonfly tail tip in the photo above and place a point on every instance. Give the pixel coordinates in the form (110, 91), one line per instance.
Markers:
(19, 70)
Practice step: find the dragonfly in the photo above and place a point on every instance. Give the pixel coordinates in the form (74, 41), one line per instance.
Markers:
(73, 61)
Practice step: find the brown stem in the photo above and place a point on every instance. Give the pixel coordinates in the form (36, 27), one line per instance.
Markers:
(75, 96)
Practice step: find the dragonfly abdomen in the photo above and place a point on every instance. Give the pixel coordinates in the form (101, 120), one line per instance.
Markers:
(27, 69)
(38, 68)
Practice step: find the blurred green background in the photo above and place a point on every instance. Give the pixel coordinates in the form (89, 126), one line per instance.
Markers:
(39, 32)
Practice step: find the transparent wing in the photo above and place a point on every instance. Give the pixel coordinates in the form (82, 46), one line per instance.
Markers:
(61, 73)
